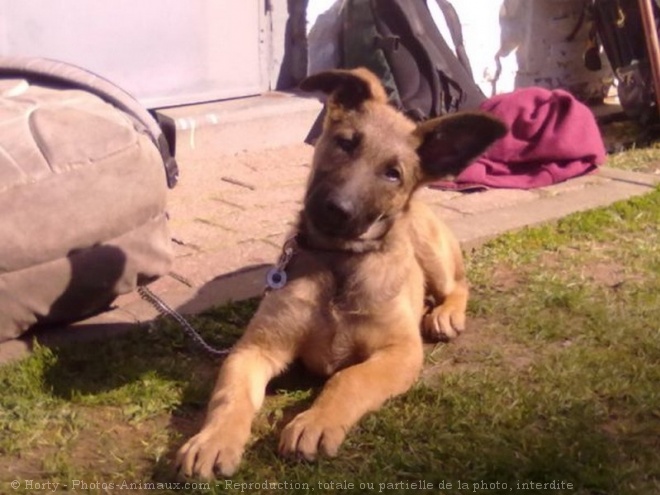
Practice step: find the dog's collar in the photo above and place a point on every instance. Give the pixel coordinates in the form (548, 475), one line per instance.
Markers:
(276, 277)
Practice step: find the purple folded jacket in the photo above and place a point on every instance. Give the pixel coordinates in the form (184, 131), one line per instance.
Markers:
(552, 137)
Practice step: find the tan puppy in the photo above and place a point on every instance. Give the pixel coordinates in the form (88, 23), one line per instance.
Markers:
(366, 255)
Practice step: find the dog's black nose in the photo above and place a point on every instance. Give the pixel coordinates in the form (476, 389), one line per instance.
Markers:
(339, 210)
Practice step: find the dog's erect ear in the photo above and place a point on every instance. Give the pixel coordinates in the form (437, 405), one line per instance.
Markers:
(348, 89)
(450, 143)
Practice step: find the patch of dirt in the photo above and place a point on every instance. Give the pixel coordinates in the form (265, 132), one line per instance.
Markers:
(104, 444)
(607, 273)
(506, 278)
(108, 439)
(479, 344)
(600, 270)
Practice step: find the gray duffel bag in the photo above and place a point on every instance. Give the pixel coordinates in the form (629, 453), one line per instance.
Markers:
(84, 173)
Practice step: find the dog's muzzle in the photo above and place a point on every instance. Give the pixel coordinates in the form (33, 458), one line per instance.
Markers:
(337, 216)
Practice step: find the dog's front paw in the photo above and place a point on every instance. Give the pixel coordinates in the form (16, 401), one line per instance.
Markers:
(209, 453)
(443, 322)
(310, 432)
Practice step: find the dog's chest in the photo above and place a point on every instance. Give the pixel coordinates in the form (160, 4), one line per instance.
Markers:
(337, 342)
(364, 307)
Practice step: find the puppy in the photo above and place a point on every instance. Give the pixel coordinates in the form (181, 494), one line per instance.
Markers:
(353, 281)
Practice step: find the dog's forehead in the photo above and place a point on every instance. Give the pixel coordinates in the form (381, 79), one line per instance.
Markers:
(381, 127)
(387, 117)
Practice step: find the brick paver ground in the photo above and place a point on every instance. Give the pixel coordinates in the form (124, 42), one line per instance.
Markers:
(236, 203)
(232, 213)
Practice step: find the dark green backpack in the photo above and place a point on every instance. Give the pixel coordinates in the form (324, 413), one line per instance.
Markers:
(399, 41)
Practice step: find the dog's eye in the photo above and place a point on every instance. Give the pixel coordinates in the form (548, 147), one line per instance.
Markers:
(393, 174)
(347, 144)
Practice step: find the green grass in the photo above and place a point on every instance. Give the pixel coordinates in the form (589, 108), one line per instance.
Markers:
(557, 379)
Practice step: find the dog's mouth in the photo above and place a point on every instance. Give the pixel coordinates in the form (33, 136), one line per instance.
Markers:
(335, 219)
(376, 229)
(358, 236)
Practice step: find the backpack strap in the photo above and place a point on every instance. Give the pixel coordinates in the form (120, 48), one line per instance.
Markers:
(456, 32)
(451, 85)
(60, 74)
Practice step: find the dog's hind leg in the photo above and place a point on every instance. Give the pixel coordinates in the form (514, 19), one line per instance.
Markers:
(238, 394)
(348, 395)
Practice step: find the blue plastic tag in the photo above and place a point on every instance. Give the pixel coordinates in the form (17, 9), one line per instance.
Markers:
(276, 278)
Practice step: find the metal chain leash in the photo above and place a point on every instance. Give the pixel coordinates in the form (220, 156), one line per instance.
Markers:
(165, 310)
(275, 279)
